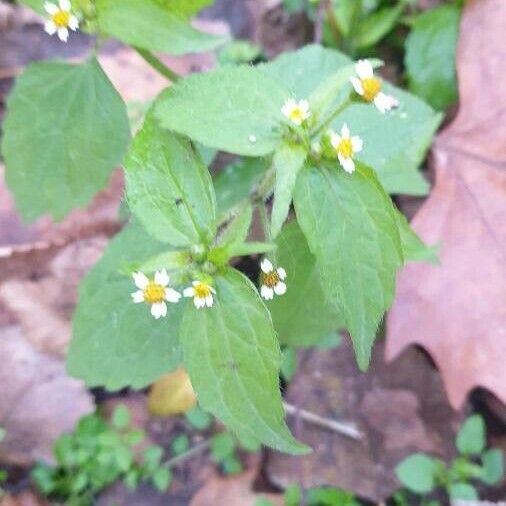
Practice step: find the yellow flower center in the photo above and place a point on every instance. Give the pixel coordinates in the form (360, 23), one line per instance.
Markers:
(270, 279)
(61, 19)
(154, 293)
(202, 290)
(297, 115)
(371, 87)
(345, 148)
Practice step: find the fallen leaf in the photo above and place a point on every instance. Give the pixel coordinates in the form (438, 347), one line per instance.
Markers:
(39, 402)
(172, 394)
(233, 491)
(399, 408)
(23, 499)
(457, 310)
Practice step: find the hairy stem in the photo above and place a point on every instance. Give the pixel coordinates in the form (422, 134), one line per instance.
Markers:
(157, 64)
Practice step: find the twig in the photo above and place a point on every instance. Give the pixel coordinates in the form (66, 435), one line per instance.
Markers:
(197, 449)
(346, 429)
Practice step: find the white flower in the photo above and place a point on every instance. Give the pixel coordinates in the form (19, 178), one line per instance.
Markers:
(155, 292)
(369, 87)
(202, 294)
(296, 112)
(272, 280)
(346, 146)
(61, 19)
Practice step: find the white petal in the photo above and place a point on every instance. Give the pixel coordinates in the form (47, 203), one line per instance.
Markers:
(280, 288)
(266, 266)
(357, 85)
(50, 27)
(189, 292)
(212, 290)
(51, 8)
(159, 309)
(266, 292)
(140, 280)
(348, 165)
(209, 300)
(288, 107)
(63, 34)
(364, 69)
(138, 296)
(341, 158)
(172, 295)
(281, 273)
(335, 139)
(304, 107)
(385, 102)
(345, 131)
(199, 302)
(356, 144)
(65, 5)
(161, 277)
(73, 23)
(296, 121)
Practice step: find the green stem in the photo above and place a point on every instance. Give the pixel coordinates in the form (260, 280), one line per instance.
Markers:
(157, 64)
(335, 113)
(262, 212)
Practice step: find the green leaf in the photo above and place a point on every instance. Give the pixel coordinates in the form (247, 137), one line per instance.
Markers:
(180, 445)
(146, 24)
(288, 160)
(162, 478)
(66, 129)
(376, 26)
(493, 466)
(186, 8)
(237, 229)
(289, 364)
(170, 260)
(350, 226)
(124, 457)
(231, 465)
(292, 496)
(121, 417)
(302, 316)
(198, 418)
(168, 187)
(251, 248)
(3, 433)
(413, 248)
(471, 436)
(430, 56)
(463, 491)
(417, 473)
(235, 109)
(233, 358)
(117, 343)
(36, 5)
(394, 144)
(222, 446)
(236, 181)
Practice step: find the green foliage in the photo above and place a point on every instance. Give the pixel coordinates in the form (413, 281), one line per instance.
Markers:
(198, 418)
(339, 215)
(430, 56)
(154, 26)
(233, 359)
(422, 474)
(303, 316)
(319, 496)
(66, 129)
(240, 51)
(117, 344)
(95, 455)
(169, 189)
(186, 8)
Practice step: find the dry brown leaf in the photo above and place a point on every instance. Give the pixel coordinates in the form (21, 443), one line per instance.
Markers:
(233, 491)
(39, 401)
(172, 394)
(23, 499)
(457, 311)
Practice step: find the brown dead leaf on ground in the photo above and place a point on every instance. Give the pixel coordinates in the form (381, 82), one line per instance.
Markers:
(399, 408)
(39, 401)
(233, 491)
(457, 311)
(23, 499)
(172, 394)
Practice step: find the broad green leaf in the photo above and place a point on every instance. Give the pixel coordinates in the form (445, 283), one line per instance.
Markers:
(36, 5)
(168, 187)
(417, 473)
(493, 466)
(288, 160)
(235, 109)
(115, 342)
(302, 316)
(237, 229)
(471, 436)
(394, 144)
(169, 260)
(430, 56)
(413, 248)
(233, 358)
(462, 491)
(251, 248)
(186, 8)
(236, 181)
(351, 228)
(346, 12)
(66, 129)
(149, 25)
(376, 26)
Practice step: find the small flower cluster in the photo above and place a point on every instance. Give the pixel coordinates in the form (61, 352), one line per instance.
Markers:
(61, 19)
(344, 146)
(156, 292)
